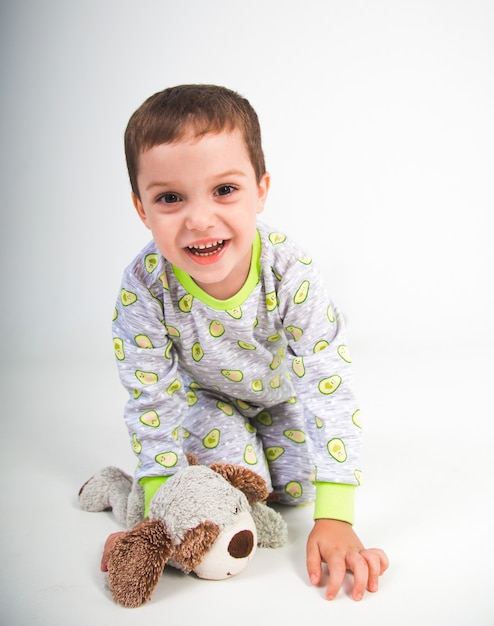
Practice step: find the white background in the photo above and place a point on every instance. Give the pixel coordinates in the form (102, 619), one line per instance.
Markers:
(378, 129)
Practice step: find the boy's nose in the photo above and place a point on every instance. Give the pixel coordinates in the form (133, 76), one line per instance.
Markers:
(200, 217)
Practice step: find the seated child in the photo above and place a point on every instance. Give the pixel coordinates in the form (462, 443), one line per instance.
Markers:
(224, 335)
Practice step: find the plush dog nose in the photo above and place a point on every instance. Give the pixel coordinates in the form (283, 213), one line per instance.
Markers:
(241, 544)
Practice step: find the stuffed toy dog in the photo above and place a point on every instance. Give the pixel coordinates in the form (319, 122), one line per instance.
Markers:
(205, 520)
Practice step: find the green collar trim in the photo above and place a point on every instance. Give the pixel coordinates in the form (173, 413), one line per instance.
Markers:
(240, 297)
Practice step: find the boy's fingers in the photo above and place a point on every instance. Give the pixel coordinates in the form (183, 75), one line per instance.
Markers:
(383, 560)
(378, 563)
(109, 543)
(337, 571)
(358, 565)
(374, 570)
(313, 563)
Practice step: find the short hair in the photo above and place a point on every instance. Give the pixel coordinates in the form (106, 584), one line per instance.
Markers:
(168, 115)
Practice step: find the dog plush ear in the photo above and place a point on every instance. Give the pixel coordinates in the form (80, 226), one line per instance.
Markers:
(251, 484)
(136, 562)
(196, 543)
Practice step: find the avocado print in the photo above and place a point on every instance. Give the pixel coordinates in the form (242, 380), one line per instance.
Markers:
(143, 341)
(168, 349)
(225, 407)
(336, 449)
(246, 346)
(273, 452)
(150, 418)
(146, 378)
(276, 275)
(302, 293)
(319, 422)
(115, 314)
(306, 259)
(136, 444)
(344, 352)
(172, 331)
(242, 404)
(330, 315)
(197, 352)
(212, 439)
(185, 303)
(320, 345)
(271, 301)
(150, 262)
(294, 489)
(276, 238)
(265, 418)
(127, 297)
(235, 375)
(166, 459)
(173, 387)
(136, 393)
(329, 385)
(298, 436)
(236, 313)
(356, 419)
(249, 428)
(250, 455)
(298, 366)
(118, 346)
(276, 362)
(257, 385)
(295, 332)
(216, 329)
(276, 382)
(191, 398)
(274, 338)
(164, 281)
(358, 476)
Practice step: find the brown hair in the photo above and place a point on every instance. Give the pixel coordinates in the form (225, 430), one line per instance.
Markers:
(167, 115)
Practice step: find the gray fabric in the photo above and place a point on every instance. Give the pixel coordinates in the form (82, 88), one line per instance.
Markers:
(266, 383)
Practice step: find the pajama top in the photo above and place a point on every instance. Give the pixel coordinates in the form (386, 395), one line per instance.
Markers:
(279, 340)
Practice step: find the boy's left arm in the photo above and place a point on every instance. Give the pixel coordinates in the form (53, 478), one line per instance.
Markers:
(326, 390)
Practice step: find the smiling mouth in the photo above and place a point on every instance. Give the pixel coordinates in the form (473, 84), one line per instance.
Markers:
(203, 250)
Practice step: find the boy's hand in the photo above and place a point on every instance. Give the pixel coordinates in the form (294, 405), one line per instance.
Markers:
(336, 544)
(109, 543)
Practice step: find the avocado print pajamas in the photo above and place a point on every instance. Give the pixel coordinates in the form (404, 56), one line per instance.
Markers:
(261, 380)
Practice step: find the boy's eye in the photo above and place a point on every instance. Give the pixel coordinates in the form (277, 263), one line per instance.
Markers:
(169, 198)
(224, 190)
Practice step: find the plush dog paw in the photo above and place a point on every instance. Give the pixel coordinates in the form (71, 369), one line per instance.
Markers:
(107, 490)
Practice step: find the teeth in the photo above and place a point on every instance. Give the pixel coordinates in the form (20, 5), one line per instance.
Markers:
(206, 246)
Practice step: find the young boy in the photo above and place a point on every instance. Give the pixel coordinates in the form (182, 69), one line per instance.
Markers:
(224, 335)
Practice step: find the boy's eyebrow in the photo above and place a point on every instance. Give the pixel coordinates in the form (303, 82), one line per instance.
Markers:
(230, 173)
(164, 183)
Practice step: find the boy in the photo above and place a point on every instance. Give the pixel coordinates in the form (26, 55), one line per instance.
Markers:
(224, 336)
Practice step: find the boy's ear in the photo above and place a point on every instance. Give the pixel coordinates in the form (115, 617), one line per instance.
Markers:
(263, 189)
(140, 209)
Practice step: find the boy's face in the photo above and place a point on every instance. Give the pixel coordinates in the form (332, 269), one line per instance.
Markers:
(200, 198)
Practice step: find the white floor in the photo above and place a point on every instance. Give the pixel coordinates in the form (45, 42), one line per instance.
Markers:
(427, 501)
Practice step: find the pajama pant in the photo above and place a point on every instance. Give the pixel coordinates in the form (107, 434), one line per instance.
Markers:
(269, 441)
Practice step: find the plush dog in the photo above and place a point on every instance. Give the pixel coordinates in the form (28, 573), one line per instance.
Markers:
(205, 520)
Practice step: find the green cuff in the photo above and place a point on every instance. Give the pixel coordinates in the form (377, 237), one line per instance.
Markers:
(150, 485)
(335, 501)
